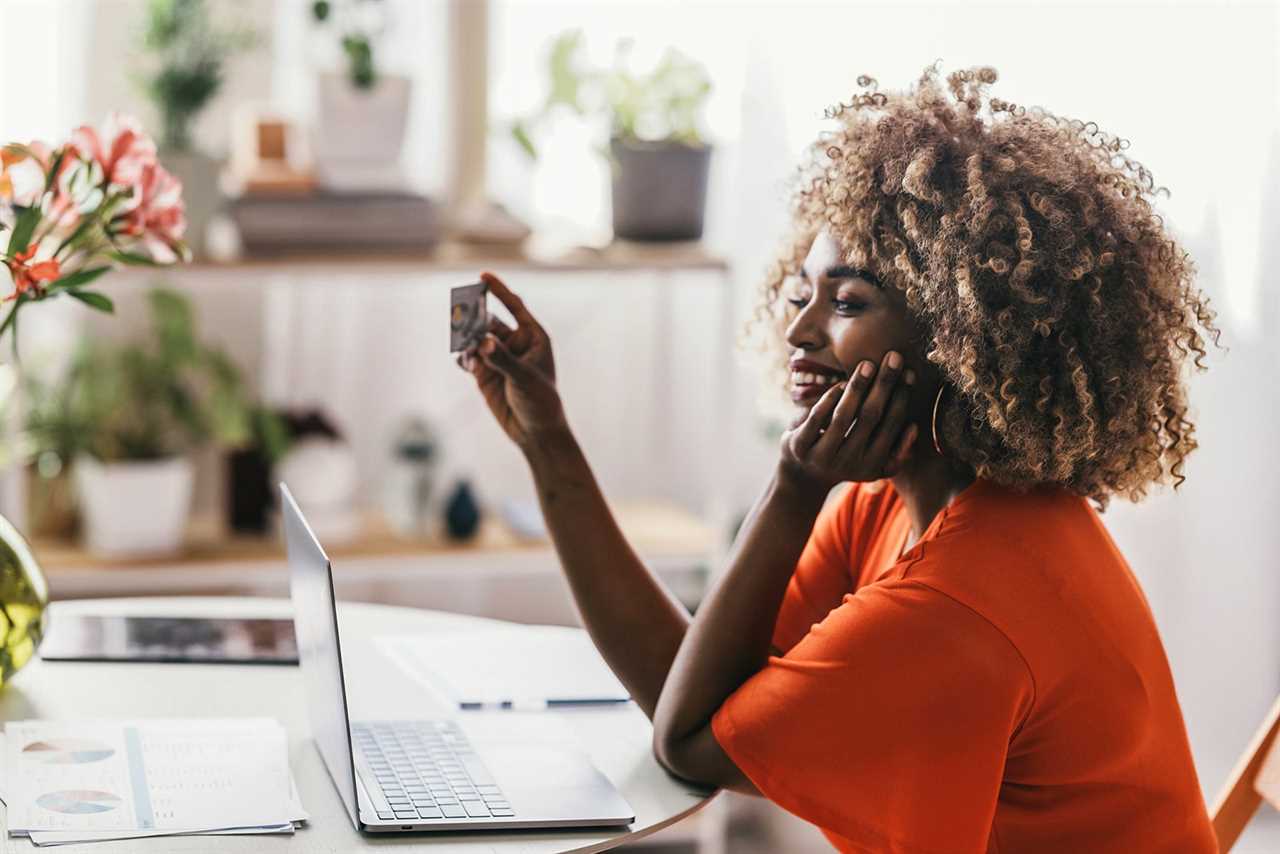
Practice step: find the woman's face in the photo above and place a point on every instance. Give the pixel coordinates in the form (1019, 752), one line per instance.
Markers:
(841, 316)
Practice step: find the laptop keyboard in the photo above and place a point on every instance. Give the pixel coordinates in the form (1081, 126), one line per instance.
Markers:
(427, 770)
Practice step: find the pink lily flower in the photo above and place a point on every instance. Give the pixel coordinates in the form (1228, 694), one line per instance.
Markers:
(157, 216)
(122, 149)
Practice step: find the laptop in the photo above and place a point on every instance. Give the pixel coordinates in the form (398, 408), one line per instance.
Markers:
(416, 775)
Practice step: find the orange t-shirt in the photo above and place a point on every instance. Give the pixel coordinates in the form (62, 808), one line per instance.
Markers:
(999, 687)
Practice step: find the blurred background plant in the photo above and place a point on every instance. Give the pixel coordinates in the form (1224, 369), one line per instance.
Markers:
(190, 51)
(358, 23)
(150, 399)
(663, 105)
(143, 401)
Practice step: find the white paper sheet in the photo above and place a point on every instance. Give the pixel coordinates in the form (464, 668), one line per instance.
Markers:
(87, 780)
(298, 816)
(525, 667)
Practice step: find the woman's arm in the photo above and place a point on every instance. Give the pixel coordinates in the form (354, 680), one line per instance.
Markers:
(729, 639)
(635, 623)
(640, 629)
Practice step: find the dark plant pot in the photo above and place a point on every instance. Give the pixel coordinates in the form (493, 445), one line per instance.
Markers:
(659, 189)
(249, 494)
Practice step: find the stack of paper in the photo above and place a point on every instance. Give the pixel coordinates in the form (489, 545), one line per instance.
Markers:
(83, 781)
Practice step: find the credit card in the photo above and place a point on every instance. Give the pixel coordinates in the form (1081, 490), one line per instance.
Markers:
(468, 316)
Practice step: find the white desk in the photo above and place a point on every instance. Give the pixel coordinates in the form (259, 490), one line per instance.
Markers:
(618, 739)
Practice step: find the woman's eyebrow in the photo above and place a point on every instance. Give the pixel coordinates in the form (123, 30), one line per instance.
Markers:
(844, 271)
(841, 271)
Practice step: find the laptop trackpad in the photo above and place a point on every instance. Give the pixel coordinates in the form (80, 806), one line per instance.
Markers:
(553, 782)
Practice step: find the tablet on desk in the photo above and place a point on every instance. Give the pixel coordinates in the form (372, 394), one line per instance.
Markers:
(170, 639)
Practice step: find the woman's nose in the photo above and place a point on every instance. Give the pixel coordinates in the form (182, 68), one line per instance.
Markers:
(805, 332)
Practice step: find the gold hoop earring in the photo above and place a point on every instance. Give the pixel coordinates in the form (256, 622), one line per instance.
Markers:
(933, 423)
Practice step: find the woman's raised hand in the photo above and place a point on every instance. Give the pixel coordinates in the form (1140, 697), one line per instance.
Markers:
(854, 432)
(515, 371)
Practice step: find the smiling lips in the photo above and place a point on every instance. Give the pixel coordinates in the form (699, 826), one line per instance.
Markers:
(811, 378)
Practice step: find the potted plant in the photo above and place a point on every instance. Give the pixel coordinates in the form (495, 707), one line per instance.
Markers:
(128, 416)
(658, 156)
(189, 53)
(53, 437)
(250, 492)
(361, 111)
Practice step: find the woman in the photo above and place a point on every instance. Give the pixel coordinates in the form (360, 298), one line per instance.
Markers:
(986, 325)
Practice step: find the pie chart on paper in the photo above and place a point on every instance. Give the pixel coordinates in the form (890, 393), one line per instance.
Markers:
(78, 801)
(67, 751)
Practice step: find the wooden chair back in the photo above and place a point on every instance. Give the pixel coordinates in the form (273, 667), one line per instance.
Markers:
(1256, 777)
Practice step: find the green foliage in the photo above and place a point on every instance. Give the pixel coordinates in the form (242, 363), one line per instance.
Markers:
(358, 23)
(662, 105)
(24, 225)
(150, 399)
(191, 52)
(80, 278)
(98, 301)
(360, 60)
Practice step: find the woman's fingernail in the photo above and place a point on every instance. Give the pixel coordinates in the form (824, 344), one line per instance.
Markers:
(866, 369)
(895, 361)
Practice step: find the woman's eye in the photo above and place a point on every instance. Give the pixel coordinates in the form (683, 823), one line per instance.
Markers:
(798, 302)
(844, 306)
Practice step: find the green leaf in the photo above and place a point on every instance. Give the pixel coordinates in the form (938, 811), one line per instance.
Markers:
(79, 278)
(95, 300)
(11, 318)
(566, 79)
(53, 169)
(521, 136)
(271, 432)
(80, 230)
(14, 337)
(133, 259)
(24, 226)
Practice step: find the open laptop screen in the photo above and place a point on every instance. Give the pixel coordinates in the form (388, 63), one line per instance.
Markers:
(315, 617)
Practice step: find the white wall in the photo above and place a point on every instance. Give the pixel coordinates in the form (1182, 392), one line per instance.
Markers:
(1193, 87)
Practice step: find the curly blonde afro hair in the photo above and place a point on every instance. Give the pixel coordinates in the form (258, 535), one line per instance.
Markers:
(1057, 306)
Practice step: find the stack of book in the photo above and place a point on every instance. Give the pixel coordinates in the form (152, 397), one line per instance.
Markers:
(336, 222)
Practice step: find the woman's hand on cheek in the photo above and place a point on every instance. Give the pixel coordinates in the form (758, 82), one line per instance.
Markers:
(856, 431)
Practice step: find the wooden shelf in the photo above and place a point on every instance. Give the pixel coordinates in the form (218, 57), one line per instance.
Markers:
(654, 529)
(448, 256)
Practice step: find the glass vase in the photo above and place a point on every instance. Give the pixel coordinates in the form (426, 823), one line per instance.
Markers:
(24, 595)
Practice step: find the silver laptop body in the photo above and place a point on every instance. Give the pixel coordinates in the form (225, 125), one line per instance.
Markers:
(423, 774)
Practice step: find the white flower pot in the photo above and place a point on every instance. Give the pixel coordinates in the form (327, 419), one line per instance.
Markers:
(201, 196)
(359, 133)
(134, 509)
